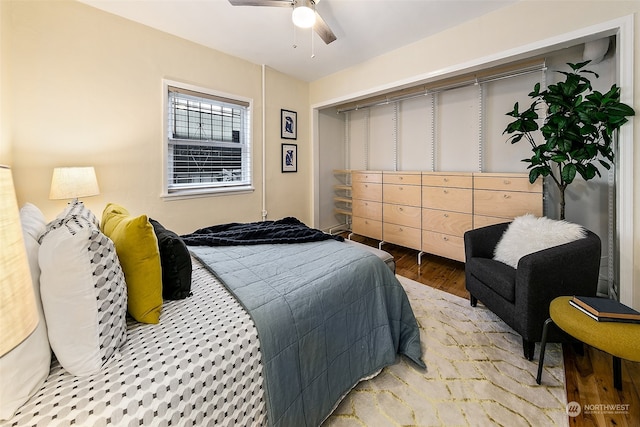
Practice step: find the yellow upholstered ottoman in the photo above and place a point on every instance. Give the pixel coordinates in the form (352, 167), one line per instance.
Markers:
(621, 340)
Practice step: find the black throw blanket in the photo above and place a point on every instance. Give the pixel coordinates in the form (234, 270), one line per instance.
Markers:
(286, 230)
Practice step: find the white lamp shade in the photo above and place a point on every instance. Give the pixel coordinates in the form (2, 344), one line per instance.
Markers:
(303, 14)
(18, 311)
(73, 182)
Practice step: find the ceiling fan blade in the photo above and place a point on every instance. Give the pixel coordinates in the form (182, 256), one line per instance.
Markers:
(276, 3)
(323, 30)
(320, 27)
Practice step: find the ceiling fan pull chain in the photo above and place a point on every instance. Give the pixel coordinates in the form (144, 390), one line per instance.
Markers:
(313, 46)
(295, 41)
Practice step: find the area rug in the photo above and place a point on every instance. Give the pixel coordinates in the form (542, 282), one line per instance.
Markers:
(476, 374)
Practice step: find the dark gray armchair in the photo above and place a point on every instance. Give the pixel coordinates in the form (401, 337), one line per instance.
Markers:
(521, 296)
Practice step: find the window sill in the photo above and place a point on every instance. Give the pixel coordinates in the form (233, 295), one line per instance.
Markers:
(208, 192)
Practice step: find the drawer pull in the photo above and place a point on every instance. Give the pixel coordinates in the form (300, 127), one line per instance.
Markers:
(446, 215)
(507, 182)
(446, 239)
(400, 178)
(506, 196)
(401, 209)
(446, 180)
(446, 191)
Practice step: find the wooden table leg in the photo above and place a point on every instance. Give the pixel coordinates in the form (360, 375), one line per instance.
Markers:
(617, 373)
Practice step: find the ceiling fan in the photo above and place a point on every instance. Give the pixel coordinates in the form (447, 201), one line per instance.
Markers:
(304, 14)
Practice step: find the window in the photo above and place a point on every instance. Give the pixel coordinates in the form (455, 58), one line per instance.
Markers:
(208, 143)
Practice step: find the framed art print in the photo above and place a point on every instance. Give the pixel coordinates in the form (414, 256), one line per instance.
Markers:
(288, 124)
(289, 158)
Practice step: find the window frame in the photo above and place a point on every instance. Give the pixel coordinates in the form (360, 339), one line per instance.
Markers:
(203, 190)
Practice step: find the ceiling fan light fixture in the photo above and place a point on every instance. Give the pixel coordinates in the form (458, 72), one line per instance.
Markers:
(303, 14)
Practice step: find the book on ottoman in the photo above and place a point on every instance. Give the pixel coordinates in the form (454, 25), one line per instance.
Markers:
(605, 310)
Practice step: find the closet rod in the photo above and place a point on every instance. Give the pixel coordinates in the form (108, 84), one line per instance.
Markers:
(470, 82)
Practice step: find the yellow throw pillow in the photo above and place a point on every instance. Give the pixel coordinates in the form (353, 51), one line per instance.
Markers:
(137, 248)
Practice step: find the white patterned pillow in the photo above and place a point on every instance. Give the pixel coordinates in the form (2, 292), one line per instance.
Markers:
(528, 234)
(84, 295)
(75, 209)
(25, 368)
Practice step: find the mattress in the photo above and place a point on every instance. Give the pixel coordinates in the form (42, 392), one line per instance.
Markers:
(200, 366)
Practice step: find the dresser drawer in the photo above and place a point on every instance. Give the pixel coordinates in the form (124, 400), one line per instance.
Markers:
(452, 223)
(480, 221)
(365, 176)
(507, 183)
(506, 204)
(367, 227)
(402, 215)
(443, 245)
(408, 237)
(448, 199)
(366, 191)
(402, 178)
(367, 209)
(401, 194)
(454, 180)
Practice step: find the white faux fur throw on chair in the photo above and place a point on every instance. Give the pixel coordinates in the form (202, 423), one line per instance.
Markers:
(528, 234)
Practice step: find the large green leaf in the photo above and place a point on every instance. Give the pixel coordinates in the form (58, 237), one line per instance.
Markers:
(605, 164)
(619, 110)
(536, 91)
(559, 157)
(530, 113)
(514, 112)
(578, 66)
(529, 126)
(587, 171)
(568, 173)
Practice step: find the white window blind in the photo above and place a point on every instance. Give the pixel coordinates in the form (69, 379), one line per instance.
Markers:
(208, 142)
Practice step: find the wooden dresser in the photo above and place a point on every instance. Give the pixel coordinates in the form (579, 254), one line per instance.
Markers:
(431, 211)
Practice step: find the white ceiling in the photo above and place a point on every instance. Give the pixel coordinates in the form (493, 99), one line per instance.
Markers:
(265, 35)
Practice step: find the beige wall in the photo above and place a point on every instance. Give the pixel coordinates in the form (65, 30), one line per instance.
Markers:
(86, 89)
(288, 194)
(490, 36)
(5, 87)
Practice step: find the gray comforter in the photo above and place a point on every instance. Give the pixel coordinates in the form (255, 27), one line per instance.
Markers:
(327, 314)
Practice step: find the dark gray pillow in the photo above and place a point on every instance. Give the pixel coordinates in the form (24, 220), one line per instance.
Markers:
(175, 261)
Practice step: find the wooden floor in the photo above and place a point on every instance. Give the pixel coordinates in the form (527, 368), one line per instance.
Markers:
(589, 377)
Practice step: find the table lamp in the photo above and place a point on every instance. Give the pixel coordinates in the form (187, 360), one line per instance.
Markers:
(73, 182)
(18, 311)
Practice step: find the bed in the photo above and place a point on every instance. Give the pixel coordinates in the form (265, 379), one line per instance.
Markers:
(273, 334)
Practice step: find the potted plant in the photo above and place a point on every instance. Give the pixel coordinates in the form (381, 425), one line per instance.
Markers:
(577, 130)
